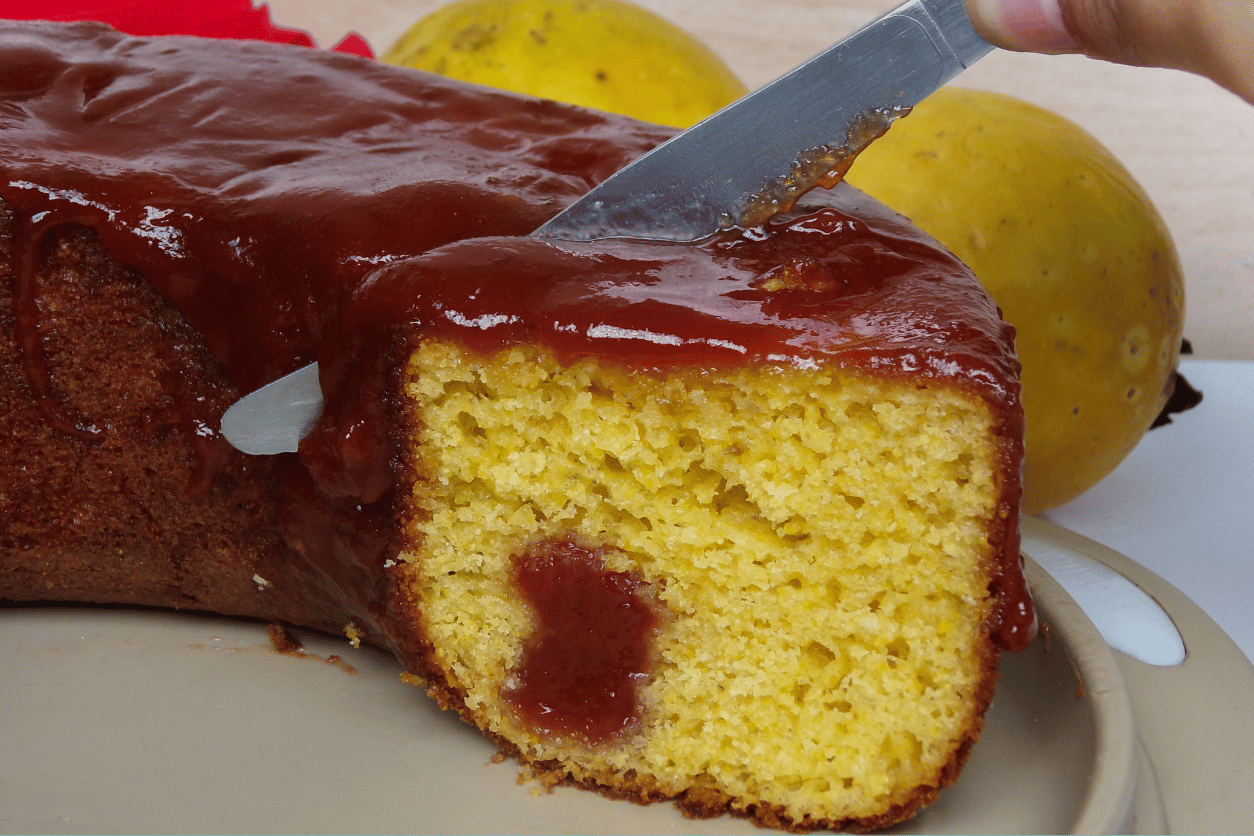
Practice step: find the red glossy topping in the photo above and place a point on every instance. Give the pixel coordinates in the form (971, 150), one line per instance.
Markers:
(847, 284)
(301, 205)
(590, 645)
(256, 184)
(1014, 625)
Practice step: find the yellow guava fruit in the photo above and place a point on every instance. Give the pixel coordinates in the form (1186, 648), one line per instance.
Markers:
(604, 54)
(1069, 246)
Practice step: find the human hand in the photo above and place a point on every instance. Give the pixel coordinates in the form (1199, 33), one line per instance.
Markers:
(1214, 38)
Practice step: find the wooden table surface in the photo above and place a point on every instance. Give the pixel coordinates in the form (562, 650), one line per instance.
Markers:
(1187, 141)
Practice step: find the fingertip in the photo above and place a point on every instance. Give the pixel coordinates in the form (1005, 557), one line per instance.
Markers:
(1022, 25)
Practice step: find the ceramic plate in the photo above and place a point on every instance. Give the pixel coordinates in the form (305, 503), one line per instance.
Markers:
(142, 722)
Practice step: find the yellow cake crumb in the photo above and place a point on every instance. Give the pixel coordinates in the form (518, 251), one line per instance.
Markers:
(353, 634)
(819, 541)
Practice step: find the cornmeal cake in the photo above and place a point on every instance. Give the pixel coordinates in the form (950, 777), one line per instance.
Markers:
(731, 523)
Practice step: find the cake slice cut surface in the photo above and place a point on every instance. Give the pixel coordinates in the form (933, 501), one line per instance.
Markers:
(810, 552)
(684, 528)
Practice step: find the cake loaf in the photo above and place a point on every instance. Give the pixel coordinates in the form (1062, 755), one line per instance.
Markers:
(731, 523)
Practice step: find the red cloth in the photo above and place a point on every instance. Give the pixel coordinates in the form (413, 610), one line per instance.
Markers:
(206, 18)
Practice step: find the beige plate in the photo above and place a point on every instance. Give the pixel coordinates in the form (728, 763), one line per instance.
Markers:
(142, 722)
(1195, 720)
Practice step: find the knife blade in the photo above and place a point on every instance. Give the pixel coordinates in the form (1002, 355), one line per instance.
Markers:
(750, 160)
(757, 155)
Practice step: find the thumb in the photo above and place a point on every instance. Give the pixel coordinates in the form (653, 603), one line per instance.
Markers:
(1214, 38)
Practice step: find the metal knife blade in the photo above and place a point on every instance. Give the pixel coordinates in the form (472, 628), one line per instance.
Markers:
(739, 166)
(277, 416)
(755, 154)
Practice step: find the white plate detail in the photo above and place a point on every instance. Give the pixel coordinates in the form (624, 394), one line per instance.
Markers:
(1128, 619)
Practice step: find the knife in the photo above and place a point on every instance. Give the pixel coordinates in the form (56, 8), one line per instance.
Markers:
(752, 159)
(756, 156)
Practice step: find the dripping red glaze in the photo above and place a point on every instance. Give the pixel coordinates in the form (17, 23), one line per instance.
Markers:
(300, 205)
